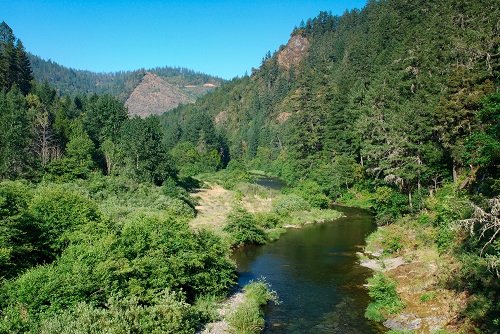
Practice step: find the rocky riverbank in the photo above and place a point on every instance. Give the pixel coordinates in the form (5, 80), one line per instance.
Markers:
(418, 270)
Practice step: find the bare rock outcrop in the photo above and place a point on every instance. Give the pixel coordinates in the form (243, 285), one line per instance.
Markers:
(154, 96)
(293, 52)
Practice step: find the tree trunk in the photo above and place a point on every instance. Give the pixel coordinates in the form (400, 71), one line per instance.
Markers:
(454, 171)
(409, 200)
(108, 163)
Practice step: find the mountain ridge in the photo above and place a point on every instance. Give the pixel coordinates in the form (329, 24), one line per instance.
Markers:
(187, 84)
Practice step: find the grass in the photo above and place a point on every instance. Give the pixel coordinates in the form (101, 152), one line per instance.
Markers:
(248, 318)
(271, 209)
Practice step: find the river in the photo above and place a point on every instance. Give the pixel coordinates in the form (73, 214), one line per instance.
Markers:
(316, 273)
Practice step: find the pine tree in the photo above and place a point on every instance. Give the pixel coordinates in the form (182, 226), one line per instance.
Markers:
(15, 67)
(23, 67)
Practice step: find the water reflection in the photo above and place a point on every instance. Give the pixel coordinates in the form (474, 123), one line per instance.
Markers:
(315, 272)
(269, 182)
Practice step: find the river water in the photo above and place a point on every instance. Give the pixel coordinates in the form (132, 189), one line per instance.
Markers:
(316, 274)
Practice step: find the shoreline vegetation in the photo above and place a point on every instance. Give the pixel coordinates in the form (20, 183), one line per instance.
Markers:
(124, 254)
(412, 258)
(250, 207)
(394, 107)
(419, 263)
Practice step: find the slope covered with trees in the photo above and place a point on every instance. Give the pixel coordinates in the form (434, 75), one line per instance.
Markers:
(188, 83)
(395, 105)
(379, 89)
(84, 252)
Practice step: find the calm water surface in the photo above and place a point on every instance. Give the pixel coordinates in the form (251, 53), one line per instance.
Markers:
(316, 274)
(270, 182)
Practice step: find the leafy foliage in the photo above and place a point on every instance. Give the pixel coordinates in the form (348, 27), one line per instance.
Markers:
(105, 272)
(283, 206)
(249, 316)
(243, 228)
(386, 301)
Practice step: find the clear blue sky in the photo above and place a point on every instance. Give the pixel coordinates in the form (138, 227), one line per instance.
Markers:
(219, 37)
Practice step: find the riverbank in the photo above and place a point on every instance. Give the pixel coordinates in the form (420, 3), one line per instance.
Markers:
(404, 253)
(224, 310)
(272, 211)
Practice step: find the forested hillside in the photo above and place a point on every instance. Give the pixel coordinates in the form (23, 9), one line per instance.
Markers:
(393, 90)
(395, 106)
(187, 84)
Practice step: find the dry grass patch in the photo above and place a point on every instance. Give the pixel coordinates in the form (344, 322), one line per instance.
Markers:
(216, 203)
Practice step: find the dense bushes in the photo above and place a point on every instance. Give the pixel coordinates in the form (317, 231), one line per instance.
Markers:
(59, 212)
(112, 266)
(243, 228)
(386, 300)
(18, 248)
(168, 314)
(312, 193)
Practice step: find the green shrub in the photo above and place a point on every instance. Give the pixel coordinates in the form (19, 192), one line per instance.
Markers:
(268, 220)
(392, 241)
(63, 203)
(389, 204)
(205, 308)
(374, 313)
(312, 193)
(168, 313)
(60, 211)
(243, 228)
(174, 206)
(386, 300)
(19, 234)
(249, 316)
(287, 204)
(260, 292)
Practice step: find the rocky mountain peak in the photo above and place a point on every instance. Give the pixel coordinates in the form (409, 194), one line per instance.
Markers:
(293, 52)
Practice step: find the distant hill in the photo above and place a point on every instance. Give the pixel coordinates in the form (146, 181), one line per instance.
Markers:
(180, 85)
(154, 95)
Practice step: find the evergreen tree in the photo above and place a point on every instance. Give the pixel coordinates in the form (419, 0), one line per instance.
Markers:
(14, 134)
(15, 67)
